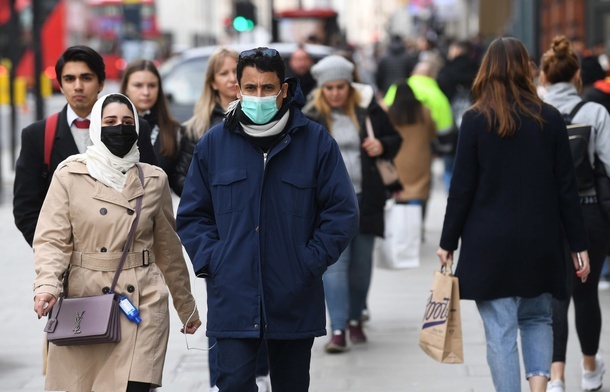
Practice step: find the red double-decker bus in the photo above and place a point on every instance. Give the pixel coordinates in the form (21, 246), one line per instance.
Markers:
(318, 25)
(122, 30)
(54, 36)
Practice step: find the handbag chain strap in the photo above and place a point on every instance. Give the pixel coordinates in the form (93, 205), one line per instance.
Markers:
(132, 232)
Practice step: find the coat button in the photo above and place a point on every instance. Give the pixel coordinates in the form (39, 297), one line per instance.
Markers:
(103, 249)
(257, 229)
(106, 290)
(130, 211)
(103, 211)
(256, 326)
(130, 288)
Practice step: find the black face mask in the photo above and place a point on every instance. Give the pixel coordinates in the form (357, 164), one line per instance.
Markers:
(119, 139)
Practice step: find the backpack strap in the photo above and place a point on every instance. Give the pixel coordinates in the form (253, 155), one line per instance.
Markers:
(50, 129)
(570, 116)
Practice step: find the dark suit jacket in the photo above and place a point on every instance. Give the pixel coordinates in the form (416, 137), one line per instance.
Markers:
(32, 181)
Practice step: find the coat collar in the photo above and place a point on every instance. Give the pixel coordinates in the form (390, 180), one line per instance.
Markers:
(132, 190)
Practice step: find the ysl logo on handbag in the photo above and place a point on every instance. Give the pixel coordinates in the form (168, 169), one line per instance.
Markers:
(79, 317)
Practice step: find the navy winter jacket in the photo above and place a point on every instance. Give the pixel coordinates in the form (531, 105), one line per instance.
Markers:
(265, 227)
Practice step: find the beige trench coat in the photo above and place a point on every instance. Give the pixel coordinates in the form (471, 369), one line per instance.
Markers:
(84, 225)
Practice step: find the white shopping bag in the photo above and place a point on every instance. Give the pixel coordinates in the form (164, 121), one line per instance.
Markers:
(401, 245)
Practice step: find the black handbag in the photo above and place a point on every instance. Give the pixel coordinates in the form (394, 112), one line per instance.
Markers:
(93, 319)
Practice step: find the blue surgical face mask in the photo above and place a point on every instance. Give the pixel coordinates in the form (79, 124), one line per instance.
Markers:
(259, 109)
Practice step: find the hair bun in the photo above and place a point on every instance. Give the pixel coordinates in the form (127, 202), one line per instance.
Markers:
(561, 46)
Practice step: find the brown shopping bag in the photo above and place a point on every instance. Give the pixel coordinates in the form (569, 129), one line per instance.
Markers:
(441, 331)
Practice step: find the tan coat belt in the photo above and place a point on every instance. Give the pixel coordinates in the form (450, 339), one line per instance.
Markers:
(109, 261)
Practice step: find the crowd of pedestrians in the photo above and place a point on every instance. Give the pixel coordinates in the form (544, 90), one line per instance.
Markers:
(281, 201)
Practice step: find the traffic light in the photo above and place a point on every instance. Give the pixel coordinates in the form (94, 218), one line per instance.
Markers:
(244, 17)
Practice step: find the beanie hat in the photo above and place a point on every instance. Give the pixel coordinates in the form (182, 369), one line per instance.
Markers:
(332, 68)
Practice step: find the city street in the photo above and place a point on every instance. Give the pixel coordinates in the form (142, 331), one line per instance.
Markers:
(392, 360)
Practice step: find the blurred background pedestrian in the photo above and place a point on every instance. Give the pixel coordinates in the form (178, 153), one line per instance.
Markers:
(142, 84)
(299, 65)
(414, 159)
(343, 107)
(561, 75)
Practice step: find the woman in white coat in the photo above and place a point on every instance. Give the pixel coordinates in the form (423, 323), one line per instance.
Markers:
(83, 226)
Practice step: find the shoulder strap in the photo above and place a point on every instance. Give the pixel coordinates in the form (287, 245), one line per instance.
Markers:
(132, 231)
(369, 127)
(50, 129)
(574, 111)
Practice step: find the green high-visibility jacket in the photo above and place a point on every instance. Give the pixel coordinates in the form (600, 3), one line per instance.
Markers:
(428, 92)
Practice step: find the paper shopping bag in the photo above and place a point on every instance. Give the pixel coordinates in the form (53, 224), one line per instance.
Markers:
(441, 331)
(401, 246)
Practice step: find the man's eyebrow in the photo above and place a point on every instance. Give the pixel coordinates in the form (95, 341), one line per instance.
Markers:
(87, 74)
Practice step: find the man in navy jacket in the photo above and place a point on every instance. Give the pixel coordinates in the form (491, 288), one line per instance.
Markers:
(267, 207)
(81, 75)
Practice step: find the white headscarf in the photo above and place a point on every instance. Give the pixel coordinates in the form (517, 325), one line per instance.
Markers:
(103, 165)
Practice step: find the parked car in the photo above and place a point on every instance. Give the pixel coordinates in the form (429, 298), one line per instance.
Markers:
(182, 75)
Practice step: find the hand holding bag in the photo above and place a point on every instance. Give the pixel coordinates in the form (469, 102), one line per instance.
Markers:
(385, 167)
(441, 331)
(93, 319)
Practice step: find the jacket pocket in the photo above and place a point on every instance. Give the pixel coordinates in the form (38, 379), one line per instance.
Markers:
(230, 189)
(300, 192)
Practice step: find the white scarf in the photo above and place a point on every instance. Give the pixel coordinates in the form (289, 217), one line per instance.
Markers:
(270, 129)
(103, 165)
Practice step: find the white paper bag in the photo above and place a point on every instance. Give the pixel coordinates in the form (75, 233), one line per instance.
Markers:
(401, 245)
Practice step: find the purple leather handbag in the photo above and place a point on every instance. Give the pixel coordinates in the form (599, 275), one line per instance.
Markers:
(94, 319)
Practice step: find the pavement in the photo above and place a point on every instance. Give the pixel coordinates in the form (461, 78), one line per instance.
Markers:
(391, 361)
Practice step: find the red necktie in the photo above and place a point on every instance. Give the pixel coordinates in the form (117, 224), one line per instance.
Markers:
(82, 124)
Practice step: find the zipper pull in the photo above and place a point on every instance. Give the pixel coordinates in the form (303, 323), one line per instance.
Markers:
(264, 160)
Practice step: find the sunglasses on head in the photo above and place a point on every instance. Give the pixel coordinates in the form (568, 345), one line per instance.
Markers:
(264, 52)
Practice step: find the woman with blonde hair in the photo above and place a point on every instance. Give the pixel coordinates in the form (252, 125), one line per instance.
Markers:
(344, 108)
(560, 75)
(217, 93)
(513, 205)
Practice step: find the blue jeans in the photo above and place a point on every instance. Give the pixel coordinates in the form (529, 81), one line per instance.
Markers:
(347, 282)
(503, 319)
(448, 172)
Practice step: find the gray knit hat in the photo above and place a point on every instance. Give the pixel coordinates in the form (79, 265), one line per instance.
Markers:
(332, 68)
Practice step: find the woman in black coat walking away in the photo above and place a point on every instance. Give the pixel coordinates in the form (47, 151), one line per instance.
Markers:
(512, 194)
